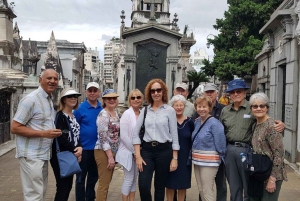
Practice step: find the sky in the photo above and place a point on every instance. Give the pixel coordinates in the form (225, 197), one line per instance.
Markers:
(94, 22)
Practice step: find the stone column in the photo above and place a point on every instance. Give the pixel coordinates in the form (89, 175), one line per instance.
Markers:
(130, 69)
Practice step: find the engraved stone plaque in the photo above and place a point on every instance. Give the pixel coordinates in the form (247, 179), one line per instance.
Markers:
(288, 117)
(150, 63)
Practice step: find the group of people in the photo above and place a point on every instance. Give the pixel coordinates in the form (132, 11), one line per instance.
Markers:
(177, 135)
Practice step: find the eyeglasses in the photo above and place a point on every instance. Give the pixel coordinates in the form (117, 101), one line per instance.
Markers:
(258, 106)
(158, 90)
(72, 96)
(111, 98)
(135, 97)
(93, 90)
(236, 91)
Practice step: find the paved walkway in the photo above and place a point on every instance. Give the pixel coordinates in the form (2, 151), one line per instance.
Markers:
(11, 190)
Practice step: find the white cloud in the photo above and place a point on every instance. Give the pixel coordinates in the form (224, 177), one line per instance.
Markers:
(95, 21)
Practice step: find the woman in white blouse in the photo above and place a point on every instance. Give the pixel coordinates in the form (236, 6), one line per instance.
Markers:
(157, 151)
(108, 126)
(125, 152)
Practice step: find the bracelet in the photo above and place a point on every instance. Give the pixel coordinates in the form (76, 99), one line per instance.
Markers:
(175, 158)
(137, 157)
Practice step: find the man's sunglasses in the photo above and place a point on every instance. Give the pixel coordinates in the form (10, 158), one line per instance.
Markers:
(158, 90)
(135, 97)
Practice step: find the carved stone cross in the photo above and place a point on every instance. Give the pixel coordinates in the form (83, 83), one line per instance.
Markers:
(152, 7)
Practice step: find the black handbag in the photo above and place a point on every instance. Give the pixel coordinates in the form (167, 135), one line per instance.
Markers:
(259, 165)
(142, 130)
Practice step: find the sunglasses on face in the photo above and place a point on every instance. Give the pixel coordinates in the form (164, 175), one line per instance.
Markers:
(236, 91)
(158, 90)
(135, 97)
(258, 106)
(72, 96)
(93, 90)
(111, 98)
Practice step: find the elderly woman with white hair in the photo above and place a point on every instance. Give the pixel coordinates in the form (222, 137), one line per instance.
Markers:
(267, 141)
(181, 178)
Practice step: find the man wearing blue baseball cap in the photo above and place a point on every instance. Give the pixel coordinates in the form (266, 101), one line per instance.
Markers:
(238, 122)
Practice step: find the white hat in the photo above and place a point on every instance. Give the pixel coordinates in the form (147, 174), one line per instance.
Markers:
(181, 85)
(70, 92)
(92, 84)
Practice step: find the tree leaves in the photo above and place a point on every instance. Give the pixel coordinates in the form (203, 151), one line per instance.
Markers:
(239, 40)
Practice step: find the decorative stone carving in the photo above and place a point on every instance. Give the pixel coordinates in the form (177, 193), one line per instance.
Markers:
(3, 4)
(184, 75)
(280, 47)
(297, 32)
(287, 24)
(123, 47)
(270, 41)
(172, 60)
(128, 59)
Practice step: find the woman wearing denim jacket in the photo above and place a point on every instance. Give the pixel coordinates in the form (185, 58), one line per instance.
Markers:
(209, 148)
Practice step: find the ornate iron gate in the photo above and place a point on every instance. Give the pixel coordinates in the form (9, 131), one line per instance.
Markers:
(5, 115)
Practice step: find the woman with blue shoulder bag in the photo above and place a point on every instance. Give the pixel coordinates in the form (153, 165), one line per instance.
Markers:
(68, 141)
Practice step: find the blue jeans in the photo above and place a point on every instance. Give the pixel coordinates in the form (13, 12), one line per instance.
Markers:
(158, 159)
(90, 174)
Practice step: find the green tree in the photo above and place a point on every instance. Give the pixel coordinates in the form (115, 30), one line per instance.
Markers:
(196, 78)
(239, 40)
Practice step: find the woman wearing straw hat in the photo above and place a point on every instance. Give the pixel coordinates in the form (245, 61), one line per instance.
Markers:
(108, 125)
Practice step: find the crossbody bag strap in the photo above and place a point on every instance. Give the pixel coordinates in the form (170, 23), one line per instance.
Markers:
(253, 129)
(200, 129)
(145, 113)
(57, 146)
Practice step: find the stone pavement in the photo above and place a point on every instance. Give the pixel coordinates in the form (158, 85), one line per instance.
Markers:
(11, 190)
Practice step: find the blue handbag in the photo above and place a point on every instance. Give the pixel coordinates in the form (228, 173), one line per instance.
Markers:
(67, 161)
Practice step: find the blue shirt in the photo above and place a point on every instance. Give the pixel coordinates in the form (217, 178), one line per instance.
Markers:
(211, 137)
(86, 116)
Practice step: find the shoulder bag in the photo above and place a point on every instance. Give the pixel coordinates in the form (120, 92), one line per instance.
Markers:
(67, 161)
(189, 162)
(259, 165)
(142, 130)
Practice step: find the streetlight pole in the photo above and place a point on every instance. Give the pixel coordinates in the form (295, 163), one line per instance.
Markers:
(207, 38)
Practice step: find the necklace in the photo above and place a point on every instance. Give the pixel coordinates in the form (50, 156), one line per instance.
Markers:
(182, 125)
